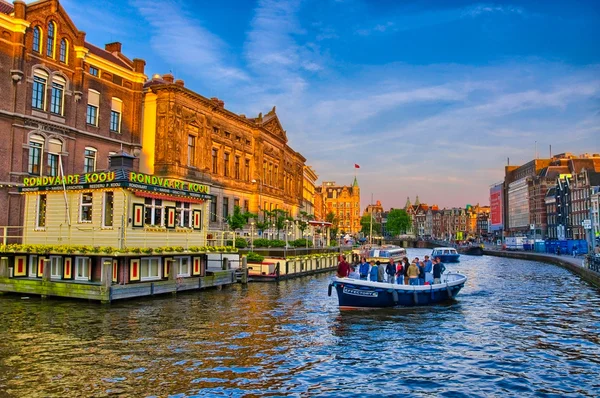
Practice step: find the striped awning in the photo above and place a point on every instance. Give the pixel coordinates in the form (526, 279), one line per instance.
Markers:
(162, 196)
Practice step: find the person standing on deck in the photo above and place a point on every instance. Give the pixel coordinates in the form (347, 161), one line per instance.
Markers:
(390, 270)
(413, 273)
(438, 268)
(343, 269)
(380, 272)
(428, 270)
(405, 270)
(363, 270)
(374, 272)
(400, 273)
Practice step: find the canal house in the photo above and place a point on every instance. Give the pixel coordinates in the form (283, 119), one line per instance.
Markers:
(113, 234)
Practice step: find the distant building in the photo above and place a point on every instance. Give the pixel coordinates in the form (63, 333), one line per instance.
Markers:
(343, 201)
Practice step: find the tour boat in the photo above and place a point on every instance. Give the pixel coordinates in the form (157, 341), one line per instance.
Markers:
(356, 293)
(446, 254)
(383, 254)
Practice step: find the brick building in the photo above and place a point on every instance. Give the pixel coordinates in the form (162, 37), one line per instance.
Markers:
(65, 104)
(343, 202)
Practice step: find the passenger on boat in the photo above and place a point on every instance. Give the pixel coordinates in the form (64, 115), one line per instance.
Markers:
(390, 270)
(373, 272)
(405, 270)
(413, 273)
(428, 270)
(400, 273)
(438, 268)
(363, 270)
(380, 272)
(343, 268)
(353, 273)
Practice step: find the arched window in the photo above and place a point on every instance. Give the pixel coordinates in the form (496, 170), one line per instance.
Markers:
(36, 147)
(50, 41)
(57, 96)
(63, 52)
(115, 115)
(89, 159)
(54, 150)
(38, 96)
(37, 39)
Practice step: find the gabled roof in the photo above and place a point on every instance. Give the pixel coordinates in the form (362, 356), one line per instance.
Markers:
(108, 56)
(576, 165)
(6, 8)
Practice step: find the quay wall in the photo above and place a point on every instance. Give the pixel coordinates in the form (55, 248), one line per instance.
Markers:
(569, 263)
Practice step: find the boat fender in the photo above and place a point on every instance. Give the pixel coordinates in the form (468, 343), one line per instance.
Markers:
(395, 296)
(415, 297)
(329, 290)
(431, 290)
(448, 290)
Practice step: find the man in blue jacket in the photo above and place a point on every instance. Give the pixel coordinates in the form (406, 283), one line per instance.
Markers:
(363, 270)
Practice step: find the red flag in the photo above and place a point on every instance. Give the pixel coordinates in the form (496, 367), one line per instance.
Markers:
(356, 166)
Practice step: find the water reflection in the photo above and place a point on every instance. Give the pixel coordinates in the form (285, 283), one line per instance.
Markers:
(516, 328)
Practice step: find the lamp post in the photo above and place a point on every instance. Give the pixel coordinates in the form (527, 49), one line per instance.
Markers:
(259, 195)
(287, 224)
(252, 236)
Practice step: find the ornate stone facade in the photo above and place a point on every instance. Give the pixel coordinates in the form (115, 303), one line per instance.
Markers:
(246, 161)
(343, 202)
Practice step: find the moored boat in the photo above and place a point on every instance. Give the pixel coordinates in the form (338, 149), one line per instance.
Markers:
(446, 254)
(383, 254)
(471, 250)
(355, 293)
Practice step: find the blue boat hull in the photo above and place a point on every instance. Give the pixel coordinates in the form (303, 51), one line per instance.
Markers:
(354, 295)
(449, 258)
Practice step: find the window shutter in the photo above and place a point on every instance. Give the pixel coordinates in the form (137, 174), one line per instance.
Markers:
(94, 98)
(117, 105)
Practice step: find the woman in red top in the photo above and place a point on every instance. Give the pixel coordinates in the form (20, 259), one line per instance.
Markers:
(343, 269)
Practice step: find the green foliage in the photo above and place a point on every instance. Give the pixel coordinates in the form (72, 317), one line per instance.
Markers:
(240, 243)
(365, 223)
(398, 221)
(261, 242)
(239, 219)
(276, 243)
(255, 257)
(301, 243)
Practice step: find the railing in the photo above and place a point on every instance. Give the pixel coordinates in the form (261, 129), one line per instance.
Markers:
(593, 262)
(95, 236)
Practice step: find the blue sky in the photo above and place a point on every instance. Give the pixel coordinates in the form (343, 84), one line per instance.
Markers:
(430, 98)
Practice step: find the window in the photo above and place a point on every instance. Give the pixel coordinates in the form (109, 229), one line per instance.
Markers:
(153, 212)
(92, 107)
(89, 160)
(33, 265)
(226, 165)
(115, 115)
(36, 146)
(215, 160)
(213, 209)
(191, 152)
(246, 206)
(85, 213)
(63, 52)
(183, 215)
(236, 168)
(247, 169)
(225, 207)
(264, 171)
(82, 268)
(50, 40)
(236, 202)
(107, 212)
(56, 267)
(37, 39)
(182, 265)
(40, 217)
(94, 71)
(275, 177)
(38, 96)
(150, 268)
(54, 150)
(56, 98)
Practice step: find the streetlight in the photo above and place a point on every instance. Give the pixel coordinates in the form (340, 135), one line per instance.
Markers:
(287, 224)
(252, 236)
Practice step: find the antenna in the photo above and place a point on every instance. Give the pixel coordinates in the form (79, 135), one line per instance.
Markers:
(550, 150)
(536, 153)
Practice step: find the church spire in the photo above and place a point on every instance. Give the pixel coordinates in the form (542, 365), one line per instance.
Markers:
(407, 205)
(355, 183)
(417, 201)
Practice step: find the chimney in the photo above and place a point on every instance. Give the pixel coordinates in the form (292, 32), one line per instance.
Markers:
(138, 65)
(121, 160)
(168, 77)
(179, 82)
(114, 47)
(19, 9)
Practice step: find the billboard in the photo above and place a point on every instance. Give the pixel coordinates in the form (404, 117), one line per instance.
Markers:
(496, 202)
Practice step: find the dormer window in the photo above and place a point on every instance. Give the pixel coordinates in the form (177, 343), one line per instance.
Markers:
(50, 40)
(37, 39)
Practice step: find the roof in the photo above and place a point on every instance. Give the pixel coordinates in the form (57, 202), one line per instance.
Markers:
(107, 55)
(579, 164)
(594, 178)
(6, 8)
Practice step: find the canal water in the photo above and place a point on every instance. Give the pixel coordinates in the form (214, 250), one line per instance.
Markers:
(517, 328)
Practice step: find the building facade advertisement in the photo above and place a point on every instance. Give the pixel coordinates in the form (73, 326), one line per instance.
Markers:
(496, 208)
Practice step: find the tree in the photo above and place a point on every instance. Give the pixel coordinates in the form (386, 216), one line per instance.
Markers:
(330, 217)
(398, 221)
(365, 223)
(238, 220)
(303, 220)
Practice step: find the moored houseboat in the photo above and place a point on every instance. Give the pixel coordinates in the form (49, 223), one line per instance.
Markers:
(446, 254)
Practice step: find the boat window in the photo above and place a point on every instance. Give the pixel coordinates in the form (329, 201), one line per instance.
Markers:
(446, 251)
